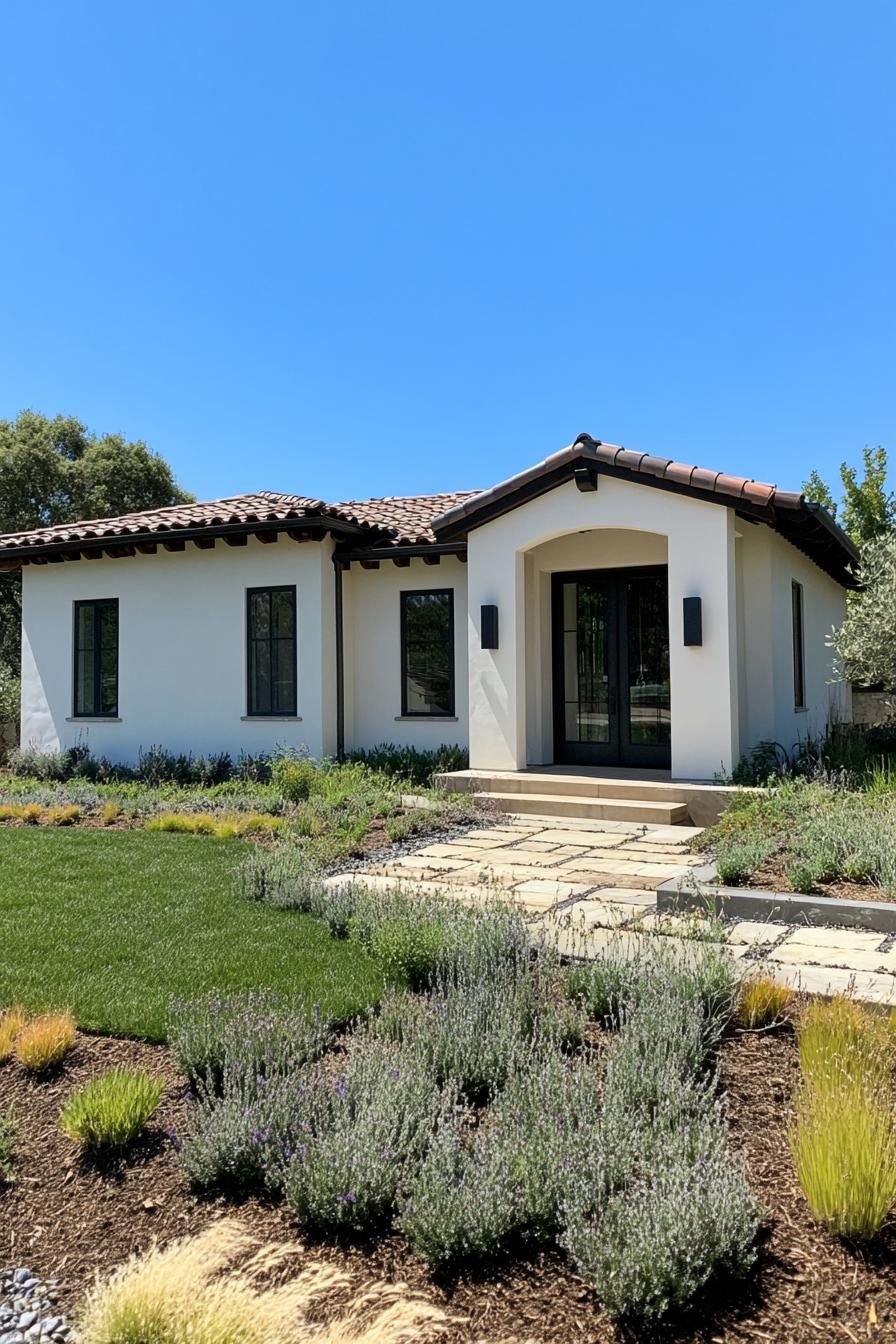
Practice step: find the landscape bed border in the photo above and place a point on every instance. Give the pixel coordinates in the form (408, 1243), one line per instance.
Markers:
(699, 891)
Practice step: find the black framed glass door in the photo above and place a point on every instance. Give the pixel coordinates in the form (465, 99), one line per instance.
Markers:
(611, 667)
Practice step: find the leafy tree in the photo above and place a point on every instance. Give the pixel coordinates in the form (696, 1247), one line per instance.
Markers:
(56, 471)
(866, 642)
(868, 508)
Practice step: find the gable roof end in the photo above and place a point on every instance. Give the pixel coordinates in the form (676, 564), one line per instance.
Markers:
(803, 522)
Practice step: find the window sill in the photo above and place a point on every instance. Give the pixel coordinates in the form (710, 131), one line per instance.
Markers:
(270, 718)
(93, 718)
(801, 709)
(426, 718)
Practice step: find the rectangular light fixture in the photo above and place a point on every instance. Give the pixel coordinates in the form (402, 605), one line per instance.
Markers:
(488, 626)
(693, 622)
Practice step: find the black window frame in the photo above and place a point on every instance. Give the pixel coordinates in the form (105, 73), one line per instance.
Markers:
(427, 713)
(97, 604)
(290, 712)
(797, 618)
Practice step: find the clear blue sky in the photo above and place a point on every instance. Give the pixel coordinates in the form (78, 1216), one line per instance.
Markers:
(393, 246)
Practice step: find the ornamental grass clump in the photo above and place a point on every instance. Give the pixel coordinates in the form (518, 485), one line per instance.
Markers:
(256, 1034)
(843, 1138)
(368, 1119)
(110, 1111)
(763, 1001)
(44, 1041)
(12, 1020)
(216, 1288)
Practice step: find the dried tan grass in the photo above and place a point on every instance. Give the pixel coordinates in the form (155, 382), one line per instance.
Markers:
(12, 1020)
(44, 1041)
(195, 1292)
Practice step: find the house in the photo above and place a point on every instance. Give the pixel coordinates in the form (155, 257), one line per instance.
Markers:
(603, 608)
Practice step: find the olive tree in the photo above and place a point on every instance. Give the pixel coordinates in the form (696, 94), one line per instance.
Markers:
(866, 642)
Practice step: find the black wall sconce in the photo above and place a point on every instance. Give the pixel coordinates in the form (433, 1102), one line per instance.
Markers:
(488, 627)
(693, 621)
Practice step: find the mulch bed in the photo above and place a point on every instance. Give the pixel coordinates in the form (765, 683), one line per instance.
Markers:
(770, 877)
(69, 1218)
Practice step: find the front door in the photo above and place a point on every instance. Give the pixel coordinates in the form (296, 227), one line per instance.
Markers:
(611, 667)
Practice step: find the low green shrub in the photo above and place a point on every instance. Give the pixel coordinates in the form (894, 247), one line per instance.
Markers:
(110, 1111)
(738, 862)
(411, 764)
(296, 777)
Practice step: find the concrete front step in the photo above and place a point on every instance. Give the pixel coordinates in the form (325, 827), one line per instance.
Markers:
(660, 812)
(573, 784)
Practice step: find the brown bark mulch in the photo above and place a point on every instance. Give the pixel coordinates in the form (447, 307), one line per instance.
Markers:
(71, 1218)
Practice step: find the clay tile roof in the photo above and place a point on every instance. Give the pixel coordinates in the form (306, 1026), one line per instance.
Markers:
(406, 519)
(805, 523)
(263, 506)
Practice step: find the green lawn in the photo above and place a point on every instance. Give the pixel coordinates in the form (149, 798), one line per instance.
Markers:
(111, 923)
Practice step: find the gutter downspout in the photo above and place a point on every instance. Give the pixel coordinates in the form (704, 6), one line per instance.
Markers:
(340, 664)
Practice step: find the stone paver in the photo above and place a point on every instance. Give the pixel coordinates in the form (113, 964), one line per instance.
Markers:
(843, 940)
(796, 954)
(590, 886)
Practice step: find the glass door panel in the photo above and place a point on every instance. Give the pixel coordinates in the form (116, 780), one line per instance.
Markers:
(649, 717)
(584, 642)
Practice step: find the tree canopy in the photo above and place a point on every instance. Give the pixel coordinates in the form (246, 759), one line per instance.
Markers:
(867, 509)
(56, 471)
(865, 643)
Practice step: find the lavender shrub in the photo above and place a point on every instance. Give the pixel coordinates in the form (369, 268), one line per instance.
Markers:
(256, 1034)
(368, 1122)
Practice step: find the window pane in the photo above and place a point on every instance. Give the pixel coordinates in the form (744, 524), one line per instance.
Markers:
(799, 673)
(259, 615)
(96, 658)
(271, 672)
(284, 677)
(283, 614)
(428, 654)
(259, 677)
(108, 667)
(84, 661)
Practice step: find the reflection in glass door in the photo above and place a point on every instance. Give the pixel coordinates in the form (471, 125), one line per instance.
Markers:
(611, 668)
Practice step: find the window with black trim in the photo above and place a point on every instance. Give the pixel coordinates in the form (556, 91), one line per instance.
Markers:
(96, 659)
(799, 657)
(427, 653)
(271, 651)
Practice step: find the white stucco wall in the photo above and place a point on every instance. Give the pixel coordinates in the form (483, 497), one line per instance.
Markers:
(372, 609)
(767, 565)
(699, 542)
(182, 649)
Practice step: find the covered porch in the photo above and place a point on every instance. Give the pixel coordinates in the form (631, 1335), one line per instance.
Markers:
(613, 639)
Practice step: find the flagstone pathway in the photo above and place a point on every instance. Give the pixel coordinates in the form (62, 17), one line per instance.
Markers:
(592, 885)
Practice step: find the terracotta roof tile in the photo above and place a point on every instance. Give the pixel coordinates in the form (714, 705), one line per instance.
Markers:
(264, 506)
(406, 519)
